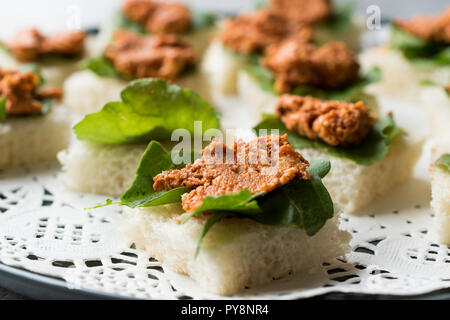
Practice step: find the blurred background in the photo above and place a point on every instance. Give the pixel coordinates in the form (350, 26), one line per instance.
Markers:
(61, 14)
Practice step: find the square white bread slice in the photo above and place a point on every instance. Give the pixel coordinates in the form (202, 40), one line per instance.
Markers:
(354, 186)
(400, 78)
(236, 253)
(54, 73)
(222, 67)
(436, 102)
(440, 192)
(85, 92)
(99, 168)
(258, 101)
(28, 140)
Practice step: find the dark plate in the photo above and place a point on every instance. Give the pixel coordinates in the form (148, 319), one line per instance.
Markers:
(39, 286)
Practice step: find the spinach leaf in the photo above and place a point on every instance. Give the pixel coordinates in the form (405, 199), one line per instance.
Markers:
(444, 162)
(102, 67)
(150, 110)
(2, 108)
(374, 147)
(419, 50)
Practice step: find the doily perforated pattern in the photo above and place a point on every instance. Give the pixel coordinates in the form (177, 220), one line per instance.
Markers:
(46, 229)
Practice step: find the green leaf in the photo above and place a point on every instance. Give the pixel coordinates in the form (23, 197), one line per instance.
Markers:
(444, 162)
(418, 50)
(374, 147)
(203, 20)
(121, 22)
(200, 21)
(3, 109)
(304, 204)
(141, 193)
(342, 16)
(150, 110)
(266, 80)
(102, 67)
(237, 202)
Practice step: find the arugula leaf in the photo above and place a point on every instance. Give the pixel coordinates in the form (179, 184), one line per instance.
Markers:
(419, 50)
(2, 109)
(102, 67)
(146, 113)
(374, 147)
(444, 162)
(266, 80)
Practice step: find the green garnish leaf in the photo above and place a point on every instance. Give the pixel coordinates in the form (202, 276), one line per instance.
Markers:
(444, 162)
(203, 20)
(266, 80)
(304, 204)
(419, 50)
(342, 16)
(141, 193)
(374, 147)
(242, 201)
(151, 109)
(121, 22)
(2, 109)
(102, 67)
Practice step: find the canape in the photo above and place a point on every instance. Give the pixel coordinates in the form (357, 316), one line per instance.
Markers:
(245, 37)
(419, 53)
(238, 217)
(33, 126)
(56, 56)
(440, 189)
(331, 71)
(369, 155)
(111, 142)
(133, 56)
